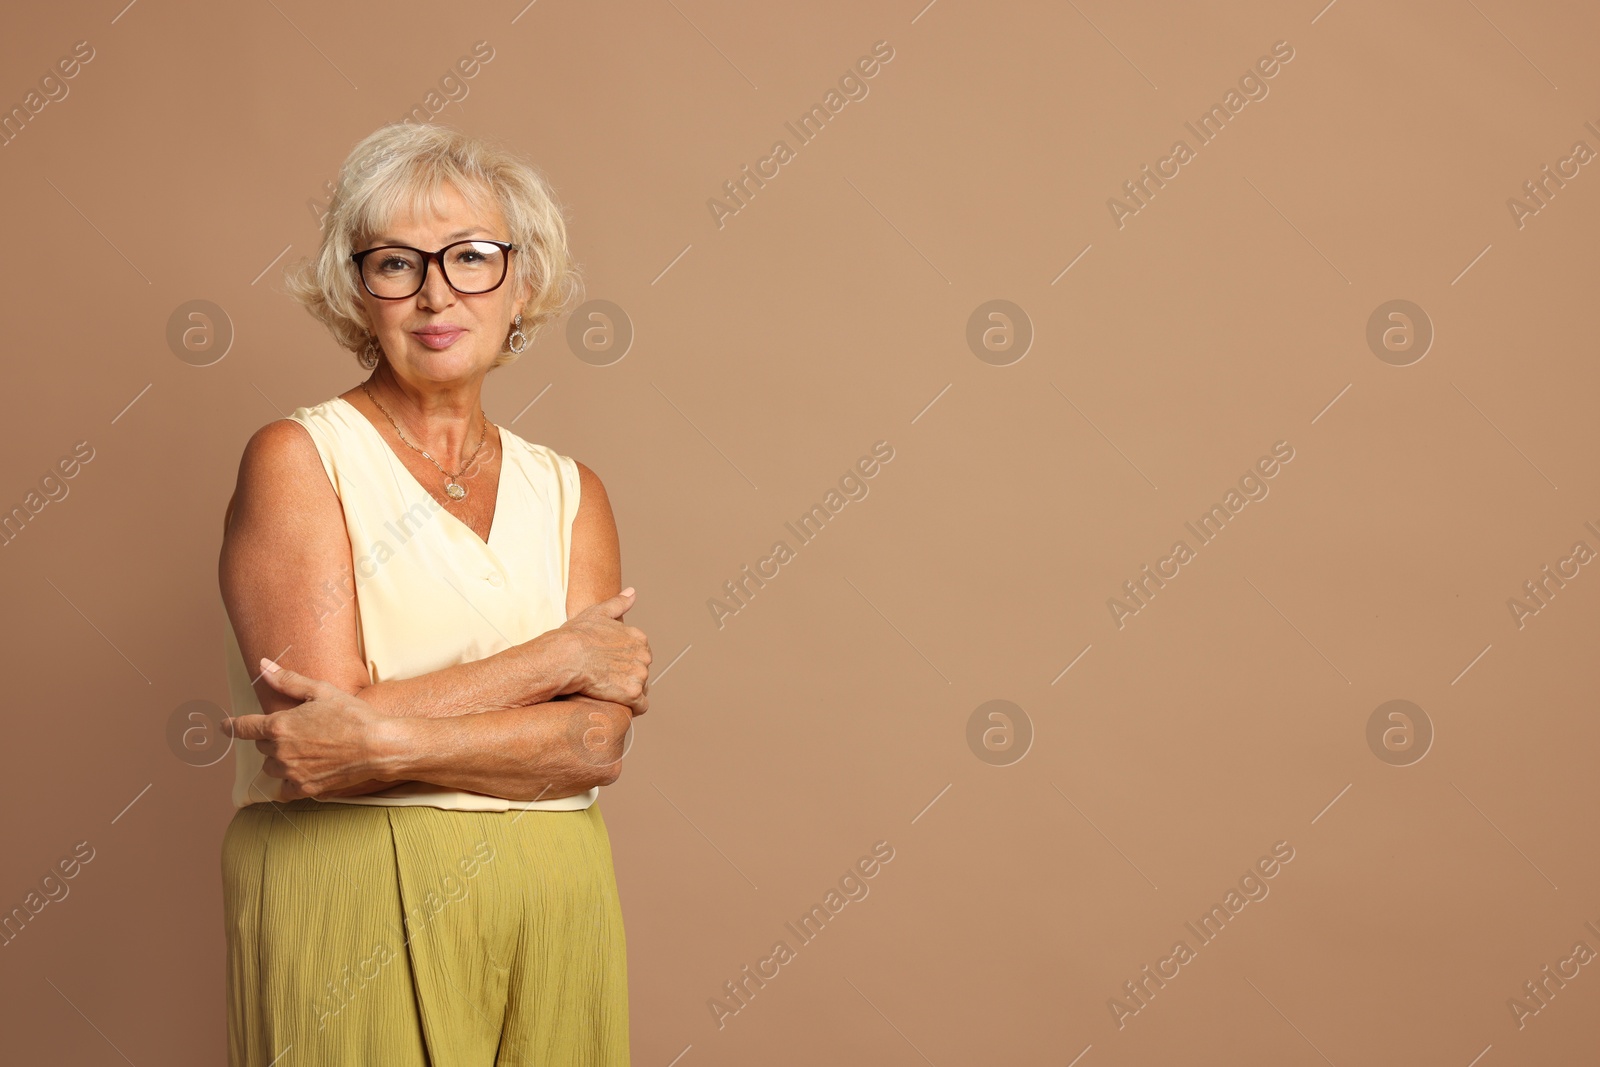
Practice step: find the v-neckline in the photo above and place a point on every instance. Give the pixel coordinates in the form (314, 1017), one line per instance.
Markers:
(494, 520)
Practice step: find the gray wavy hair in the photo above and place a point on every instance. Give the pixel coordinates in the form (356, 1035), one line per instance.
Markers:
(403, 167)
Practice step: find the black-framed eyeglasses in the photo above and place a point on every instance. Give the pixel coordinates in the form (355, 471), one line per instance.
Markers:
(395, 272)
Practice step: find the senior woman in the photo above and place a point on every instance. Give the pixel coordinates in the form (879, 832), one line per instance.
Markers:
(417, 871)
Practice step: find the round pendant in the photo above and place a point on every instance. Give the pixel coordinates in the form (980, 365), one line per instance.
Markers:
(454, 491)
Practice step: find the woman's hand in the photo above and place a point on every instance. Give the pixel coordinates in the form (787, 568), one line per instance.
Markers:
(612, 658)
(330, 745)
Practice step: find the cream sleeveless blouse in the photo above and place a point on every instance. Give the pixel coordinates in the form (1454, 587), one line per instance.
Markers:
(429, 593)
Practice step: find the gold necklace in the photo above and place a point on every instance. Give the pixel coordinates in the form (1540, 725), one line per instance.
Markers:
(452, 488)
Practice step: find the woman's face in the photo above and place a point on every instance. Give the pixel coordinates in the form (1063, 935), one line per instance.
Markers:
(477, 324)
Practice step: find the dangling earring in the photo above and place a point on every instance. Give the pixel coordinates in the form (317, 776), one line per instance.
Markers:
(518, 340)
(369, 355)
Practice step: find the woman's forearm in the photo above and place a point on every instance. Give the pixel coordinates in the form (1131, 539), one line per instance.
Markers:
(555, 749)
(533, 672)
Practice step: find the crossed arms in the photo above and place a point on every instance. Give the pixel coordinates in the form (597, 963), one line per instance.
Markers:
(540, 720)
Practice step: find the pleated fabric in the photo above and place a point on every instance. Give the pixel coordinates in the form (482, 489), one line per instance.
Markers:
(414, 936)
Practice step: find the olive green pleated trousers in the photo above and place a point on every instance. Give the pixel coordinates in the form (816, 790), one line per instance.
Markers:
(422, 937)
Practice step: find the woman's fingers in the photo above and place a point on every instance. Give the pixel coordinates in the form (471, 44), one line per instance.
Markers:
(615, 655)
(610, 609)
(292, 684)
(246, 727)
(617, 606)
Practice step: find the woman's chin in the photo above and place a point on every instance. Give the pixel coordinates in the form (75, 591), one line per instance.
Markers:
(445, 365)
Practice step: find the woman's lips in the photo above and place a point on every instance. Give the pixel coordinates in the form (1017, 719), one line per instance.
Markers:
(439, 338)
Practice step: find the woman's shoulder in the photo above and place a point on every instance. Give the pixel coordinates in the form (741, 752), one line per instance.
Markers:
(282, 465)
(297, 445)
(309, 423)
(335, 409)
(336, 426)
(289, 433)
(541, 458)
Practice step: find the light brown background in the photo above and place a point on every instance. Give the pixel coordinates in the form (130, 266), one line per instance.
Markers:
(827, 315)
